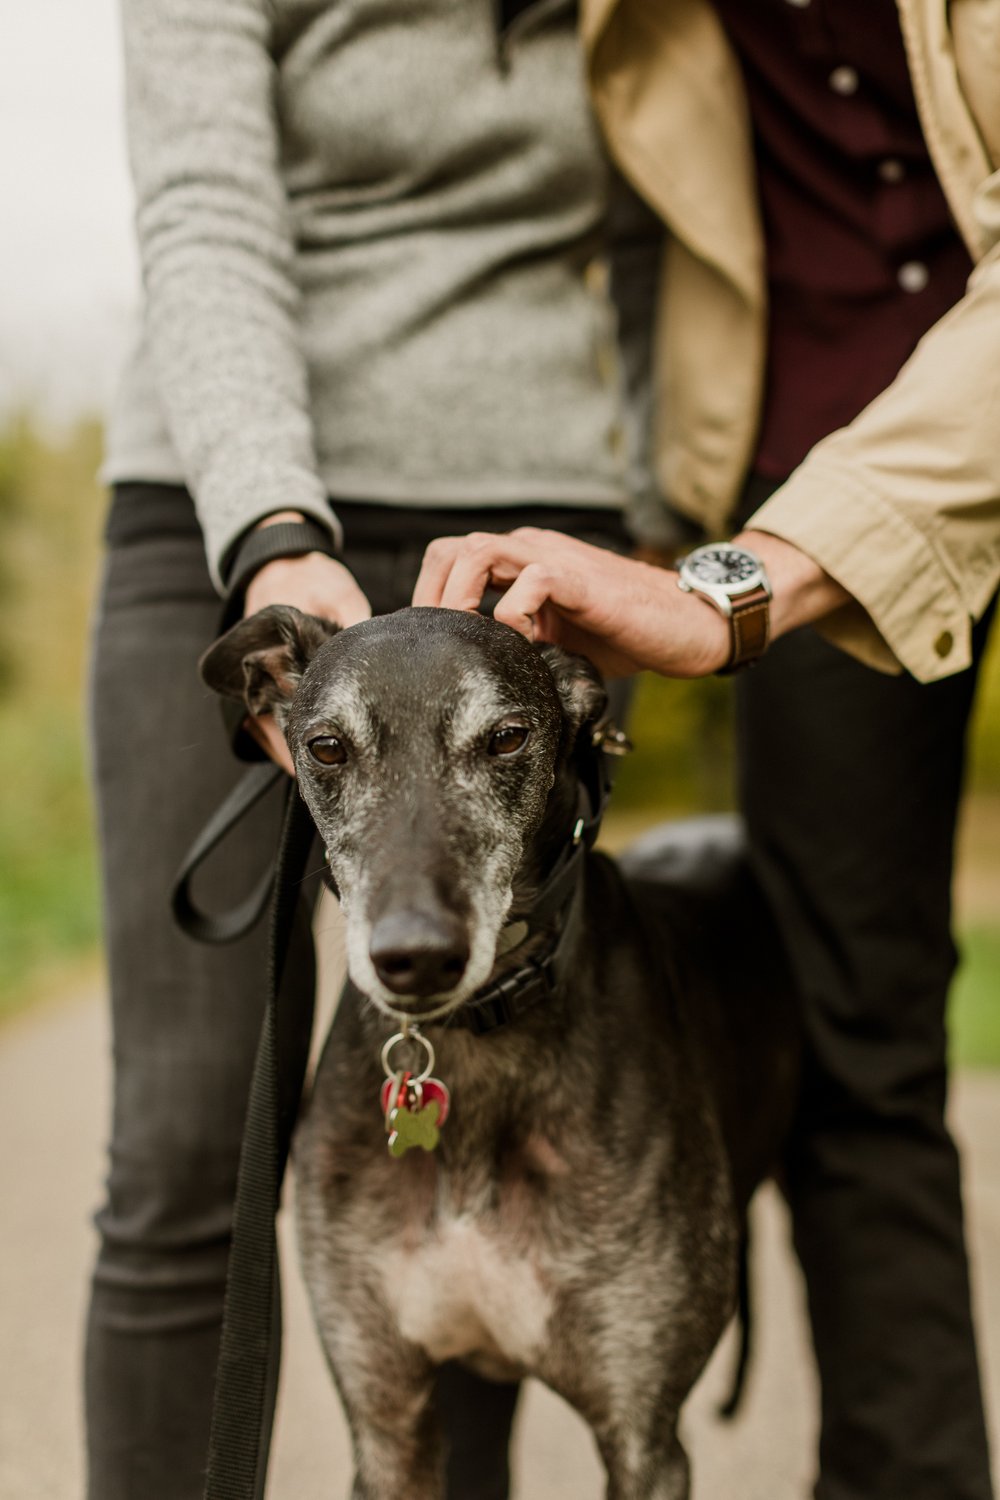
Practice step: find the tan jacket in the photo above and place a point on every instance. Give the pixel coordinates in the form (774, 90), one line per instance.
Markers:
(902, 506)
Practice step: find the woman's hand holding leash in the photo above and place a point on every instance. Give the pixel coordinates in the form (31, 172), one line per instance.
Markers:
(315, 584)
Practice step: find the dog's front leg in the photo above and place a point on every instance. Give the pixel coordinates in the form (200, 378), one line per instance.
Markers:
(403, 1459)
(387, 1389)
(641, 1470)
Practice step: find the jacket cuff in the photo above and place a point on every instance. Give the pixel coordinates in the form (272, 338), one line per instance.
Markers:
(908, 612)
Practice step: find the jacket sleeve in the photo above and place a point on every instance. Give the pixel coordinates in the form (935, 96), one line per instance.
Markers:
(903, 506)
(216, 251)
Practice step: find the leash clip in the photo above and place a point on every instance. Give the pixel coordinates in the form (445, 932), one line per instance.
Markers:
(408, 1034)
(612, 740)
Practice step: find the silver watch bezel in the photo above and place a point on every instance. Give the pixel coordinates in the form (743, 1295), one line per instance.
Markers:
(722, 594)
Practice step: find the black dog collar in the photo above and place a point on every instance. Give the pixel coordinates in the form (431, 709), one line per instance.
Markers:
(504, 1000)
(508, 998)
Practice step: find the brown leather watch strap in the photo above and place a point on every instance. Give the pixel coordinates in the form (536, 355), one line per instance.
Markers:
(749, 624)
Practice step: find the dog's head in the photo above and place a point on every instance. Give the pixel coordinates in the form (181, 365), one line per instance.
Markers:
(434, 750)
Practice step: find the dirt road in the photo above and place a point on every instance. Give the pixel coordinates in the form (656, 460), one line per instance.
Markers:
(53, 1107)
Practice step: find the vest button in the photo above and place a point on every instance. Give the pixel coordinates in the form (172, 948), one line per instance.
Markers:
(913, 276)
(844, 80)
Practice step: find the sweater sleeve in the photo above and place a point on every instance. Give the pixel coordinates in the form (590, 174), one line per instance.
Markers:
(216, 249)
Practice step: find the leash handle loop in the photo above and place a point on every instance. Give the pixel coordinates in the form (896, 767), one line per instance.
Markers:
(225, 927)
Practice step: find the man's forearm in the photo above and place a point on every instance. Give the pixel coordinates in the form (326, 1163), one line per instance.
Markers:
(801, 592)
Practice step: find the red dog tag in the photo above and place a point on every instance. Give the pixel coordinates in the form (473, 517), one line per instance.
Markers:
(433, 1089)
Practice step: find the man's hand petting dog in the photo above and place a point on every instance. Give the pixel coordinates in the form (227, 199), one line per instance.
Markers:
(316, 585)
(623, 614)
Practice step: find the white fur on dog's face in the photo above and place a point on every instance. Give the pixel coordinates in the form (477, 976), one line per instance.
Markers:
(422, 812)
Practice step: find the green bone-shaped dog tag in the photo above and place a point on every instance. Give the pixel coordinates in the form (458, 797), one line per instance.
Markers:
(414, 1128)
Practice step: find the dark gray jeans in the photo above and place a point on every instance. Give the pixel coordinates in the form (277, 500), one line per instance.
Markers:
(186, 1016)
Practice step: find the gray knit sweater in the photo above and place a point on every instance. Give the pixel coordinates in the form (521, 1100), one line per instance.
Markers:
(368, 231)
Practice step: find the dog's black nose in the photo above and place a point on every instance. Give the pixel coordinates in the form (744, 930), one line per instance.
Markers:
(415, 954)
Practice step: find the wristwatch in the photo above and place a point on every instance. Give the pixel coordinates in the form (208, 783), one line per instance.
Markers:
(734, 581)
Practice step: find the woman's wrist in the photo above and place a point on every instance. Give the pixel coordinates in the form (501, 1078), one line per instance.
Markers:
(282, 535)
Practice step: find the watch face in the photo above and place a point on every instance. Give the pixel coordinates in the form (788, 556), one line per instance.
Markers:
(724, 567)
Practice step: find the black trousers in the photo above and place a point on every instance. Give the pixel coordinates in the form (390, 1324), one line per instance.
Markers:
(186, 1016)
(850, 782)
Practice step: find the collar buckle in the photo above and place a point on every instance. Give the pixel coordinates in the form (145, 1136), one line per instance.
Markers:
(511, 995)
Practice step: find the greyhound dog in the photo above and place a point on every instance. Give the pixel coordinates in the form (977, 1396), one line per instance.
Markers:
(581, 1074)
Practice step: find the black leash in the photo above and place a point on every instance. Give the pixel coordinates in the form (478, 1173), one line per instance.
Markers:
(240, 1434)
(238, 1447)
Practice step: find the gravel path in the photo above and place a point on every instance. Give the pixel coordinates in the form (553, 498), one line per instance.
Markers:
(53, 1105)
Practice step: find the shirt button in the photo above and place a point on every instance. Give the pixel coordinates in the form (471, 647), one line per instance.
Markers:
(844, 80)
(944, 643)
(913, 276)
(891, 170)
(800, 4)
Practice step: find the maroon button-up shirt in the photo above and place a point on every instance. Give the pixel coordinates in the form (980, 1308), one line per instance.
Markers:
(862, 254)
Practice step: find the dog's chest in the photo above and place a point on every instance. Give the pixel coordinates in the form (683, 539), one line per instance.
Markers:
(477, 1269)
(464, 1291)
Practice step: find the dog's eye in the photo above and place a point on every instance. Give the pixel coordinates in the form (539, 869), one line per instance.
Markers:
(328, 750)
(508, 739)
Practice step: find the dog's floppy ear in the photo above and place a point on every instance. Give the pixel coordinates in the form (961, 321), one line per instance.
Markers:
(261, 660)
(580, 687)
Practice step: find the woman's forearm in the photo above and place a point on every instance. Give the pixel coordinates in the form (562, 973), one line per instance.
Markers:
(217, 260)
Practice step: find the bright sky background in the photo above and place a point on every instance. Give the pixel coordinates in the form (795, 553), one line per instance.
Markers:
(68, 279)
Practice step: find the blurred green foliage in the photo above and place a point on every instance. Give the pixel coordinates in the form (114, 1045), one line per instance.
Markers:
(984, 739)
(682, 733)
(974, 1010)
(51, 511)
